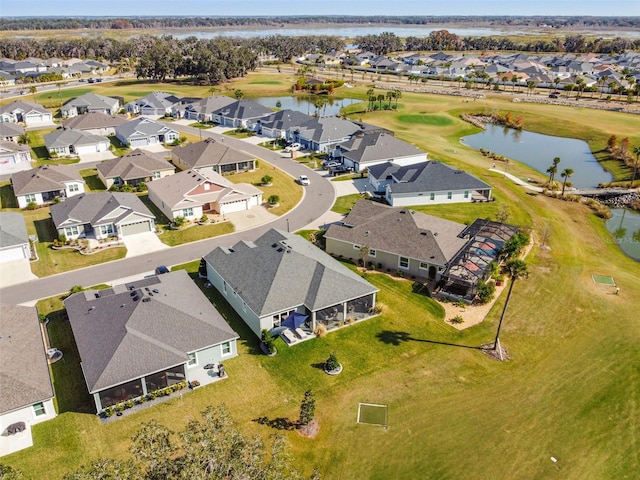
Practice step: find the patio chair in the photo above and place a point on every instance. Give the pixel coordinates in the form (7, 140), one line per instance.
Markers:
(301, 333)
(289, 336)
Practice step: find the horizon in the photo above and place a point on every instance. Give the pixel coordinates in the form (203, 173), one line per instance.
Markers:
(295, 8)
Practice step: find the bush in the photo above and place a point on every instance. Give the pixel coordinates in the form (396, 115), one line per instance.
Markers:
(141, 187)
(179, 221)
(332, 362)
(266, 179)
(273, 199)
(204, 218)
(485, 292)
(457, 319)
(320, 331)
(32, 206)
(268, 340)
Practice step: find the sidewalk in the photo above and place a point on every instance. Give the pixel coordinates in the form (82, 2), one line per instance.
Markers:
(518, 181)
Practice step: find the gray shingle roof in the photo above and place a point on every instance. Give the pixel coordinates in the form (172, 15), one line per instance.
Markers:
(142, 327)
(210, 152)
(24, 372)
(244, 110)
(7, 146)
(13, 230)
(428, 177)
(9, 129)
(24, 106)
(67, 137)
(286, 271)
(326, 128)
(285, 119)
(210, 104)
(363, 148)
(158, 100)
(92, 208)
(93, 120)
(134, 165)
(46, 178)
(400, 231)
(92, 101)
(142, 126)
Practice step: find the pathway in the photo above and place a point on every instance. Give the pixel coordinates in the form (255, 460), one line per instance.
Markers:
(518, 181)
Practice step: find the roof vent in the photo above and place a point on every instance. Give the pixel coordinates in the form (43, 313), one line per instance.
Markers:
(155, 290)
(435, 234)
(97, 295)
(136, 298)
(280, 249)
(146, 299)
(131, 287)
(92, 307)
(423, 233)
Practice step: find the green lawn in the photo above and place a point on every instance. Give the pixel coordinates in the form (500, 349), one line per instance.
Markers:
(93, 182)
(195, 232)
(345, 203)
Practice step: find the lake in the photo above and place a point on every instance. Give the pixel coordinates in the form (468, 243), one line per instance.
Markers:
(305, 104)
(538, 151)
(625, 227)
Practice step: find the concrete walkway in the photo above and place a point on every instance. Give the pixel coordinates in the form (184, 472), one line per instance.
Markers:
(142, 243)
(16, 271)
(518, 181)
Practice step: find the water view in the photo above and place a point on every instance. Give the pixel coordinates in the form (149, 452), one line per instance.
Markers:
(538, 152)
(306, 104)
(625, 227)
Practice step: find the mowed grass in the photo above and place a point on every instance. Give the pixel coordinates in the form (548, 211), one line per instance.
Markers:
(571, 389)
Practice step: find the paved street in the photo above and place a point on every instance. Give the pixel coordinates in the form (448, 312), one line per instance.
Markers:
(317, 200)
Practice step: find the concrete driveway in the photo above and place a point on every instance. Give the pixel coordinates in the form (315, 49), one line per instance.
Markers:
(154, 147)
(143, 243)
(248, 219)
(349, 187)
(17, 271)
(96, 157)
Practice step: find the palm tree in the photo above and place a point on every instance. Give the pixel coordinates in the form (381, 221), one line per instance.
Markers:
(32, 90)
(397, 95)
(516, 269)
(370, 93)
(566, 173)
(59, 85)
(552, 170)
(636, 151)
(238, 94)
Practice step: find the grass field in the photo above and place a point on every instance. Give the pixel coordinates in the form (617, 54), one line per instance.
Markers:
(571, 389)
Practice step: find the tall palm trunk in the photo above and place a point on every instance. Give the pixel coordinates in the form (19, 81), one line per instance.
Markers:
(504, 311)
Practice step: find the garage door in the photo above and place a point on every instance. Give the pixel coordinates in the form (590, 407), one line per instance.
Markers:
(139, 142)
(15, 253)
(139, 227)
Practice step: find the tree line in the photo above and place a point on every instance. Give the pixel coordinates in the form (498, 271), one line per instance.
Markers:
(127, 22)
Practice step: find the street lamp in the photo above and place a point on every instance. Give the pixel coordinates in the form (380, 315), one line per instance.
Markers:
(288, 225)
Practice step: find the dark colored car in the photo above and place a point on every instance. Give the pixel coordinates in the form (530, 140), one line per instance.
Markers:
(553, 95)
(161, 269)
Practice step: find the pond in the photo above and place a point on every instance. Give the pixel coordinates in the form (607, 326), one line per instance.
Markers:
(305, 103)
(625, 227)
(538, 151)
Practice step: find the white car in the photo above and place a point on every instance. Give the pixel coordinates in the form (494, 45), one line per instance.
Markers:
(303, 179)
(294, 147)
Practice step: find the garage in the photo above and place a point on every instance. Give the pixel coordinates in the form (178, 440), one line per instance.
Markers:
(18, 252)
(138, 227)
(138, 142)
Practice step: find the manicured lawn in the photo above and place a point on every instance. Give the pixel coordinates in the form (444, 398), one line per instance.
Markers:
(345, 203)
(92, 180)
(195, 232)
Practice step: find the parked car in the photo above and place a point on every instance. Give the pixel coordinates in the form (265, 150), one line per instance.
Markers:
(91, 80)
(294, 147)
(304, 180)
(553, 95)
(340, 169)
(161, 269)
(82, 80)
(330, 164)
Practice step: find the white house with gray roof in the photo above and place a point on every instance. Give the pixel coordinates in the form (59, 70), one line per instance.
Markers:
(11, 132)
(214, 155)
(133, 168)
(364, 150)
(191, 193)
(156, 104)
(240, 114)
(396, 240)
(277, 124)
(27, 392)
(320, 134)
(101, 215)
(90, 102)
(43, 184)
(71, 142)
(426, 183)
(29, 113)
(287, 275)
(96, 123)
(202, 110)
(14, 156)
(14, 241)
(142, 131)
(146, 335)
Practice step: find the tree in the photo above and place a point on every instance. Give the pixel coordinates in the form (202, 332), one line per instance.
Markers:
(636, 151)
(503, 214)
(566, 173)
(59, 85)
(552, 170)
(8, 473)
(516, 269)
(238, 94)
(397, 94)
(307, 408)
(370, 96)
(364, 253)
(152, 447)
(32, 90)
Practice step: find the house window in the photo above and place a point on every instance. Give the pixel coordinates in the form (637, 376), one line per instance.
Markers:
(226, 348)
(70, 231)
(192, 359)
(356, 246)
(224, 287)
(106, 229)
(38, 409)
(403, 262)
(74, 187)
(30, 197)
(372, 252)
(424, 266)
(432, 196)
(449, 195)
(187, 212)
(156, 175)
(466, 194)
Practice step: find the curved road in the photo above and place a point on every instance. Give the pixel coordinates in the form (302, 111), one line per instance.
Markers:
(318, 198)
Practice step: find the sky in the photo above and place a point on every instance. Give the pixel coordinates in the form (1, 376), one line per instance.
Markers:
(111, 8)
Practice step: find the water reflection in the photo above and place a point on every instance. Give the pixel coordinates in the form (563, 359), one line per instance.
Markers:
(310, 104)
(624, 225)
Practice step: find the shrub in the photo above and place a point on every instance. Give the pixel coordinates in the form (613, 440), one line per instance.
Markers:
(457, 319)
(62, 238)
(32, 206)
(141, 187)
(332, 362)
(486, 291)
(268, 340)
(179, 221)
(204, 218)
(266, 179)
(273, 199)
(320, 331)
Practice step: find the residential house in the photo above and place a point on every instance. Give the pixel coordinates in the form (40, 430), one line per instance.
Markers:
(96, 123)
(214, 155)
(14, 241)
(11, 132)
(396, 240)
(363, 150)
(240, 114)
(156, 104)
(45, 183)
(322, 133)
(27, 392)
(29, 113)
(202, 110)
(102, 215)
(6, 79)
(12, 154)
(133, 168)
(288, 276)
(277, 124)
(90, 102)
(142, 131)
(190, 194)
(70, 142)
(142, 336)
(426, 183)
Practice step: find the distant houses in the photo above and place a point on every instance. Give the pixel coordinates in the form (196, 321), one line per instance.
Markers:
(142, 132)
(90, 102)
(29, 113)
